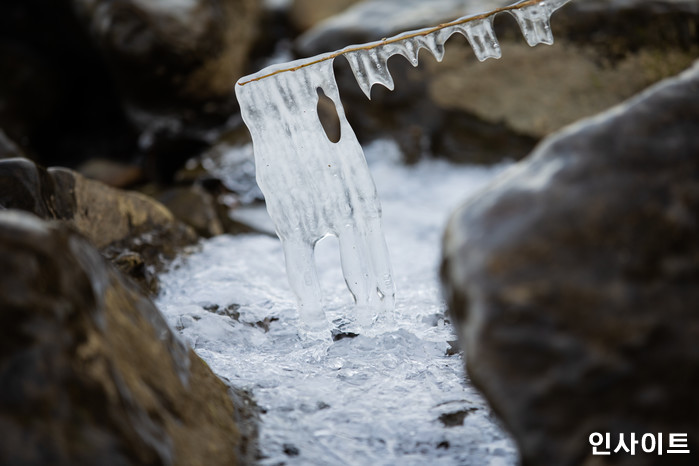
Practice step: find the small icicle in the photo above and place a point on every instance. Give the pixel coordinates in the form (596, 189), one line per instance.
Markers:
(410, 48)
(369, 68)
(435, 46)
(481, 36)
(534, 22)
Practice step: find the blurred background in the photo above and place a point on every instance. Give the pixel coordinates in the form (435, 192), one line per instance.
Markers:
(585, 277)
(129, 91)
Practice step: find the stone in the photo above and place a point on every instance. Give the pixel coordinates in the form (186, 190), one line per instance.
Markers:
(195, 207)
(573, 280)
(114, 220)
(90, 373)
(176, 63)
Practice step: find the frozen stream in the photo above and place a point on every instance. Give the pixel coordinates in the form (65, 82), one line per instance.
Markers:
(394, 398)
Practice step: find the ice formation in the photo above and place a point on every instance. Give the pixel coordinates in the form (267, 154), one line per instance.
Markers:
(314, 187)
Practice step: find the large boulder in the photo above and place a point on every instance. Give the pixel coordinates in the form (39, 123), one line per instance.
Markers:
(605, 52)
(574, 283)
(90, 372)
(174, 61)
(137, 232)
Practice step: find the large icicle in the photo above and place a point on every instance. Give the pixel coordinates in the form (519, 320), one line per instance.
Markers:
(314, 187)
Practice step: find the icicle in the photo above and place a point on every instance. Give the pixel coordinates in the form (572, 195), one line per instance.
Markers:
(435, 45)
(369, 68)
(481, 36)
(410, 48)
(534, 22)
(314, 187)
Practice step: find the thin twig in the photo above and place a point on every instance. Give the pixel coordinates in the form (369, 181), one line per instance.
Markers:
(396, 39)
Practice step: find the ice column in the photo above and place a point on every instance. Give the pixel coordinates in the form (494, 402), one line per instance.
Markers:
(314, 188)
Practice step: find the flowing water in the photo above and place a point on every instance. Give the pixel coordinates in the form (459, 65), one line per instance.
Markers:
(393, 395)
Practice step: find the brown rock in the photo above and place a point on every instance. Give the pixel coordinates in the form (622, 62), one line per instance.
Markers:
(114, 221)
(195, 207)
(90, 372)
(574, 282)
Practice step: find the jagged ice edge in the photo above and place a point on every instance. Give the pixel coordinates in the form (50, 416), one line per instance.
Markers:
(315, 187)
(369, 61)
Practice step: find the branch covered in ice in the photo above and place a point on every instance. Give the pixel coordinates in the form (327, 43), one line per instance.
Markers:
(369, 61)
(314, 187)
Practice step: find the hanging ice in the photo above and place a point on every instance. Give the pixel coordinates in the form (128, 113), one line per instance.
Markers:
(314, 187)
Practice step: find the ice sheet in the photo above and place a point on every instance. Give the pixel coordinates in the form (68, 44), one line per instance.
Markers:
(366, 400)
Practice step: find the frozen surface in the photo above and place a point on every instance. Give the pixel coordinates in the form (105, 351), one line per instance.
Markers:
(315, 187)
(374, 399)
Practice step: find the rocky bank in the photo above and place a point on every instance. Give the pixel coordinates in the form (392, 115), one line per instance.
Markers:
(574, 282)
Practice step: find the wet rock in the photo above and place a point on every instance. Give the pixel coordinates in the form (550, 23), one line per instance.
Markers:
(176, 63)
(195, 207)
(291, 450)
(115, 221)
(91, 374)
(605, 52)
(338, 335)
(455, 418)
(574, 280)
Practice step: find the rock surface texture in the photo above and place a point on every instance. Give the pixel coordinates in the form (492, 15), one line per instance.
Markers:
(90, 372)
(574, 282)
(120, 223)
(174, 59)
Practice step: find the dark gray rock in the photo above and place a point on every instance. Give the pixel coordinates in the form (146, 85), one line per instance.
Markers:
(574, 282)
(90, 372)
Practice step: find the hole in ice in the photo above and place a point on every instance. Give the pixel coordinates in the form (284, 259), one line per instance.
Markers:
(327, 114)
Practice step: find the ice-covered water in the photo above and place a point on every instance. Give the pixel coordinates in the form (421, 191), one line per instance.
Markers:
(370, 400)
(315, 187)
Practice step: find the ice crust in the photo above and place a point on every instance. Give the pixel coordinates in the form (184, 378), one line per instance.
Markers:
(316, 188)
(366, 400)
